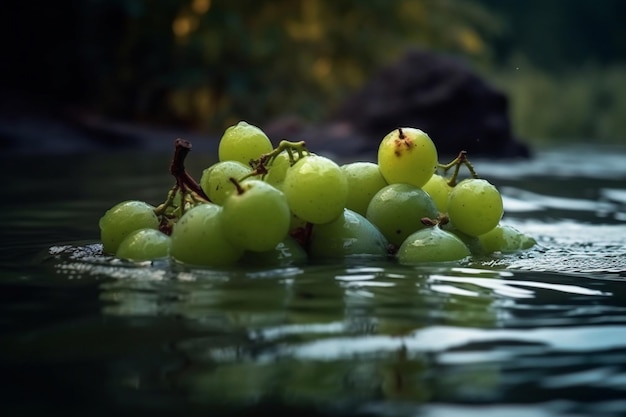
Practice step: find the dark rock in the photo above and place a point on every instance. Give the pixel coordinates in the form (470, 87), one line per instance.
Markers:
(440, 95)
(335, 139)
(434, 92)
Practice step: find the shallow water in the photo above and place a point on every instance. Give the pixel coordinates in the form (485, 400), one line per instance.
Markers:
(532, 334)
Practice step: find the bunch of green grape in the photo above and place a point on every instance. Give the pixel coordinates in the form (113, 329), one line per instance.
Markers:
(265, 205)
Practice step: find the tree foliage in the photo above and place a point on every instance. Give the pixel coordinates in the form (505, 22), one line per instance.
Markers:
(210, 62)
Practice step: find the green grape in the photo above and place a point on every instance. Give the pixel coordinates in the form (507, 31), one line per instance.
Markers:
(277, 170)
(431, 245)
(472, 242)
(296, 222)
(198, 239)
(397, 211)
(144, 245)
(215, 180)
(257, 217)
(364, 180)
(505, 239)
(348, 235)
(407, 155)
(243, 142)
(124, 218)
(437, 187)
(475, 206)
(316, 189)
(287, 252)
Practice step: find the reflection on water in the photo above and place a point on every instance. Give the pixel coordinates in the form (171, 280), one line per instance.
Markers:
(365, 334)
(531, 334)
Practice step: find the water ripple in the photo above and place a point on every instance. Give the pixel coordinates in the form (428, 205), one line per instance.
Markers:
(509, 288)
(443, 338)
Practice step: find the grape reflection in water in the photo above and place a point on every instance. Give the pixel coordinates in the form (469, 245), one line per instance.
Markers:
(373, 335)
(536, 333)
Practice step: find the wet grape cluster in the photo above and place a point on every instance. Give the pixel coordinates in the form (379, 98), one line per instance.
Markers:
(266, 205)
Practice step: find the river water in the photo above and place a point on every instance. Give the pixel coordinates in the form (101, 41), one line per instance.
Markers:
(533, 334)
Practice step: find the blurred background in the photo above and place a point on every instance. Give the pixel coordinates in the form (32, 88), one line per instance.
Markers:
(202, 65)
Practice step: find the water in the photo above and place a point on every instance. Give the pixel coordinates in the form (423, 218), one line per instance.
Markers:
(542, 333)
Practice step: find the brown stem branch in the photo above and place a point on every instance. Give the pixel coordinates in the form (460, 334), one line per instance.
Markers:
(177, 169)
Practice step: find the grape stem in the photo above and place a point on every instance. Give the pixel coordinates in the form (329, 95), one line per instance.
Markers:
(426, 221)
(184, 181)
(237, 185)
(190, 191)
(260, 166)
(461, 159)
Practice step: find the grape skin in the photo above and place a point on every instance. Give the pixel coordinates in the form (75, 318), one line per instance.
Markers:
(243, 143)
(472, 242)
(397, 211)
(407, 155)
(505, 239)
(144, 245)
(198, 239)
(364, 181)
(258, 218)
(122, 219)
(316, 189)
(437, 187)
(215, 180)
(475, 206)
(349, 235)
(431, 245)
(278, 170)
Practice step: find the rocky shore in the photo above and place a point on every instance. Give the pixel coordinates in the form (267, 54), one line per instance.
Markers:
(435, 92)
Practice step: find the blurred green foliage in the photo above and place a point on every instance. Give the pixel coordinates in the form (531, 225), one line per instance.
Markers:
(563, 65)
(208, 63)
(586, 104)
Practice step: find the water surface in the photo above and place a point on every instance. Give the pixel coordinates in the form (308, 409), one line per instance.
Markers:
(537, 333)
